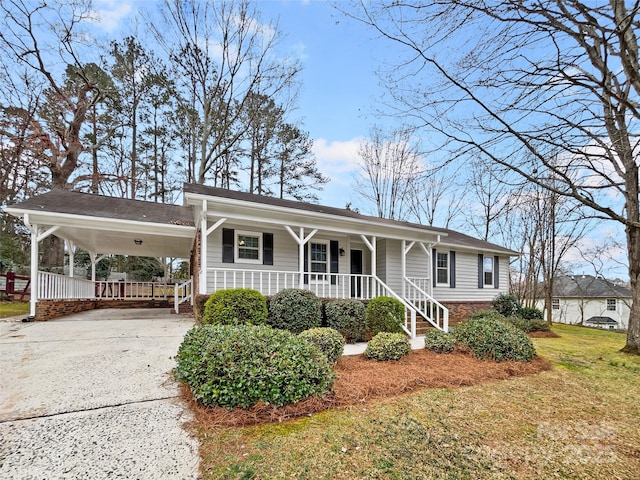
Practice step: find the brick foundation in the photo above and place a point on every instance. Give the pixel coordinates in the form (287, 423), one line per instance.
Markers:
(50, 309)
(460, 311)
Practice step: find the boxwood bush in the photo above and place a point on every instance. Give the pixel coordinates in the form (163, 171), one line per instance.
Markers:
(347, 317)
(329, 341)
(235, 306)
(496, 340)
(528, 326)
(295, 310)
(388, 346)
(385, 314)
(439, 341)
(506, 304)
(529, 313)
(240, 365)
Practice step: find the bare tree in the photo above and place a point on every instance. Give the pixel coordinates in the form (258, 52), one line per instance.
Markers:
(524, 83)
(437, 198)
(390, 166)
(225, 57)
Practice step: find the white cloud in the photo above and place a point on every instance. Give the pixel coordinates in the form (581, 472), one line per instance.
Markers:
(338, 160)
(110, 13)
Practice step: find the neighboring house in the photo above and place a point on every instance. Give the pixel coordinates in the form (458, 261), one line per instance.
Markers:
(236, 239)
(590, 301)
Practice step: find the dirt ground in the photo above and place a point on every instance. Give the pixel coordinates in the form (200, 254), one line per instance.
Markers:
(359, 380)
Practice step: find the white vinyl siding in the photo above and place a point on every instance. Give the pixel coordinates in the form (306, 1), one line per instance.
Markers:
(574, 311)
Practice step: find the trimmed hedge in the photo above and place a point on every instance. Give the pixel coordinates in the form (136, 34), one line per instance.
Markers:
(239, 366)
(236, 306)
(439, 341)
(347, 317)
(529, 313)
(496, 340)
(388, 346)
(385, 314)
(329, 341)
(506, 304)
(295, 310)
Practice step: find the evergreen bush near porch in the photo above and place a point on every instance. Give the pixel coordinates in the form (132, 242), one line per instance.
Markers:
(235, 306)
(329, 341)
(388, 346)
(495, 340)
(295, 310)
(348, 317)
(385, 314)
(240, 365)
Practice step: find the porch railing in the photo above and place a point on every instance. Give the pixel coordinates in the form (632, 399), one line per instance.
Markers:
(270, 282)
(181, 293)
(329, 285)
(51, 286)
(428, 307)
(121, 290)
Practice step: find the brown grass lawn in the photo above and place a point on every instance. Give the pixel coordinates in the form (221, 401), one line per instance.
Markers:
(446, 416)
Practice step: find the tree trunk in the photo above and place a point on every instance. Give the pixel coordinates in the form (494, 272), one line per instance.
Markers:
(633, 332)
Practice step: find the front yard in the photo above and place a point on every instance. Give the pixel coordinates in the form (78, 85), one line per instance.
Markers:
(11, 309)
(578, 420)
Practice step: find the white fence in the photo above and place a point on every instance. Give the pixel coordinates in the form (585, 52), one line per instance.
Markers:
(52, 286)
(427, 306)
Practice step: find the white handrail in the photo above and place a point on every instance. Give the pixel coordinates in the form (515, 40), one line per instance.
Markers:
(411, 329)
(427, 306)
(181, 293)
(52, 286)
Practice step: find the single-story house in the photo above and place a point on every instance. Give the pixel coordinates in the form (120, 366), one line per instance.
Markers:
(591, 301)
(237, 239)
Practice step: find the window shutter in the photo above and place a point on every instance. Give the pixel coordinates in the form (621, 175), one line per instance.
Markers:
(267, 248)
(434, 260)
(452, 269)
(496, 272)
(306, 261)
(228, 235)
(333, 260)
(480, 271)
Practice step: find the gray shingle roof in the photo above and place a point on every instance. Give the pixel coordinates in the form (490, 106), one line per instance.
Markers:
(453, 237)
(87, 204)
(601, 321)
(587, 286)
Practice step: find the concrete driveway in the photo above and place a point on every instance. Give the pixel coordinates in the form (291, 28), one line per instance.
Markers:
(91, 395)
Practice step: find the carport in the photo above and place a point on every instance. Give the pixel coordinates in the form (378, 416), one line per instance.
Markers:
(103, 225)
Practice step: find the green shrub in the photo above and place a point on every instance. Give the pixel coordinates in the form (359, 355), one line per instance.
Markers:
(236, 306)
(506, 304)
(529, 313)
(497, 340)
(490, 314)
(385, 314)
(388, 346)
(294, 310)
(329, 341)
(240, 365)
(528, 326)
(347, 317)
(439, 341)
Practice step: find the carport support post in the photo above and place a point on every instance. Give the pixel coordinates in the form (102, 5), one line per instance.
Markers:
(71, 250)
(34, 266)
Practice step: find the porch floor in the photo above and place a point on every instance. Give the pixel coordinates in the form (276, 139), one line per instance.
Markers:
(359, 348)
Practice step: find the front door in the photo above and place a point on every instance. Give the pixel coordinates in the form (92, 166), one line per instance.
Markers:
(356, 269)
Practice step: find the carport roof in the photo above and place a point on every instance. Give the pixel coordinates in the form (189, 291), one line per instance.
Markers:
(104, 224)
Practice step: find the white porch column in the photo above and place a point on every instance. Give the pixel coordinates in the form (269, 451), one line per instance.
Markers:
(371, 245)
(202, 282)
(95, 258)
(301, 240)
(71, 249)
(36, 236)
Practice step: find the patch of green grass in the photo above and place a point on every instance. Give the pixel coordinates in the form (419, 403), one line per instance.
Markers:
(11, 309)
(578, 420)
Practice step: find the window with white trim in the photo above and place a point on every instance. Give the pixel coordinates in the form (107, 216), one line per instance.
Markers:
(442, 268)
(612, 304)
(555, 304)
(487, 270)
(319, 260)
(248, 247)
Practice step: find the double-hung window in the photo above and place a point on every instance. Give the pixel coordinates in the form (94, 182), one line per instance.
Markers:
(555, 304)
(487, 269)
(612, 304)
(442, 268)
(318, 260)
(248, 247)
